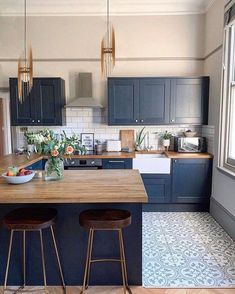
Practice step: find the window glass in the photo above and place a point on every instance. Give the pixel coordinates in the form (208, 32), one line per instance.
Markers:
(231, 139)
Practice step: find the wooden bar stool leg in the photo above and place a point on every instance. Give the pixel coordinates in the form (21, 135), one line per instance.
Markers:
(8, 261)
(89, 247)
(58, 258)
(43, 262)
(124, 262)
(89, 260)
(24, 257)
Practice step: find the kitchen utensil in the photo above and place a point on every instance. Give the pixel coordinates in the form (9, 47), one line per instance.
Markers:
(127, 139)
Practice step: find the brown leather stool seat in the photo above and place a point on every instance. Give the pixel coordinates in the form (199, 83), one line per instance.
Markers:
(31, 219)
(105, 219)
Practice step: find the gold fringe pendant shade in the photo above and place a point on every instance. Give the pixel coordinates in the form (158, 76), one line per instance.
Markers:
(108, 49)
(25, 76)
(25, 68)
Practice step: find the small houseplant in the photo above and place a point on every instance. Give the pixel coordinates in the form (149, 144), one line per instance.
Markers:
(166, 139)
(139, 140)
(30, 139)
(98, 147)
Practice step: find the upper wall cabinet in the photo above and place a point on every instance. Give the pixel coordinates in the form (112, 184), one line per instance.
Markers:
(138, 101)
(157, 101)
(43, 107)
(123, 101)
(189, 101)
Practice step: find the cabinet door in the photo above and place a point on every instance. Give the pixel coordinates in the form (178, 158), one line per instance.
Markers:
(154, 101)
(191, 180)
(117, 163)
(49, 101)
(189, 100)
(158, 187)
(123, 99)
(21, 113)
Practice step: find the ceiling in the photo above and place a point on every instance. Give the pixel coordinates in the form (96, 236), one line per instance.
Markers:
(98, 7)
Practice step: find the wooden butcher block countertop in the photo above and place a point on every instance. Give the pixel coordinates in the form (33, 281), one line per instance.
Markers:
(23, 160)
(79, 186)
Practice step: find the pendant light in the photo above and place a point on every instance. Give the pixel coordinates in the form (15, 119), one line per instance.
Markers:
(25, 67)
(108, 48)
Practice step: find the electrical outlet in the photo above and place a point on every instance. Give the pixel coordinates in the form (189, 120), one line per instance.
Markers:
(23, 129)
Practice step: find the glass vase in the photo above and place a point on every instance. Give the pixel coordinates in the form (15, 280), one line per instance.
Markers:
(54, 169)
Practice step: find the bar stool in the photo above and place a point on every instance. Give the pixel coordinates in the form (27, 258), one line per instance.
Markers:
(31, 219)
(99, 220)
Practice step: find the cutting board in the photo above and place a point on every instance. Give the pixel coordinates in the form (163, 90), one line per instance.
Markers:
(127, 139)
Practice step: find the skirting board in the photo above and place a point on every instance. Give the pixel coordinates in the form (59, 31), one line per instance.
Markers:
(223, 217)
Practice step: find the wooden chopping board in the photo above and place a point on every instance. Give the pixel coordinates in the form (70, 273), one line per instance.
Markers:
(127, 139)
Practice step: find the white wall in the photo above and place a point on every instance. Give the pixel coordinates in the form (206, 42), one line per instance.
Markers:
(160, 44)
(167, 45)
(223, 186)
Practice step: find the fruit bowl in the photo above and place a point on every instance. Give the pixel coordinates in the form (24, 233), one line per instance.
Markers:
(190, 134)
(16, 180)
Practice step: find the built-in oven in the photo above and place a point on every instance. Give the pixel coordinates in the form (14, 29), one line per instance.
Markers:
(82, 164)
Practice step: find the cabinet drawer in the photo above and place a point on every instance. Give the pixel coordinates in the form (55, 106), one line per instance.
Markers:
(158, 187)
(116, 163)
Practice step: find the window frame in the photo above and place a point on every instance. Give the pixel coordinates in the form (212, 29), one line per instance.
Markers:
(226, 163)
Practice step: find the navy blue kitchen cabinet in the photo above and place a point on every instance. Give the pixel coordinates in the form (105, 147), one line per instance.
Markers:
(21, 113)
(189, 100)
(138, 101)
(123, 101)
(154, 101)
(191, 180)
(43, 107)
(117, 163)
(39, 165)
(158, 187)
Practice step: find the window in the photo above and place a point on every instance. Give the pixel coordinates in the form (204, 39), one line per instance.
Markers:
(227, 126)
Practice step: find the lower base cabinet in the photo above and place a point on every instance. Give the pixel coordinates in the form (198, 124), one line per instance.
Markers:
(187, 188)
(39, 165)
(158, 187)
(191, 180)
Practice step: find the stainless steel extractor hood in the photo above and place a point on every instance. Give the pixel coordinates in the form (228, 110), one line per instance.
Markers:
(84, 98)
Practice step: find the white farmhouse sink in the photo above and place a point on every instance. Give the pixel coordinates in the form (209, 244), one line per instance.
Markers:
(152, 163)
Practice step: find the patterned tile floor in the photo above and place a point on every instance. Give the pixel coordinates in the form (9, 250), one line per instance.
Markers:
(186, 249)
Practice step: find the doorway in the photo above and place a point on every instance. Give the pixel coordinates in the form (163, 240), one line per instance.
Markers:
(2, 144)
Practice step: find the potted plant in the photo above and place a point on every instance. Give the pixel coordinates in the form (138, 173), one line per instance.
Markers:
(166, 139)
(56, 148)
(139, 140)
(98, 147)
(30, 139)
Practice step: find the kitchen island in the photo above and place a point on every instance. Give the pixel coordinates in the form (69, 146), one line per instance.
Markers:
(79, 190)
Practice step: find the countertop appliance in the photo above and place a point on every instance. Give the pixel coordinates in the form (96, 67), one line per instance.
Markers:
(113, 146)
(190, 144)
(83, 164)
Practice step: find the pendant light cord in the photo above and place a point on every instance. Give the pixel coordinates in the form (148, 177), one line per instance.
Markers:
(108, 20)
(25, 31)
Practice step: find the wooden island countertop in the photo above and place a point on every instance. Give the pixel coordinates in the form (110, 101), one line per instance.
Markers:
(23, 160)
(77, 186)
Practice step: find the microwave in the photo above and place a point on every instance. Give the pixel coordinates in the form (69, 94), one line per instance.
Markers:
(190, 144)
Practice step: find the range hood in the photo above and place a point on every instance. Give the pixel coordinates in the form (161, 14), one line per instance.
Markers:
(84, 98)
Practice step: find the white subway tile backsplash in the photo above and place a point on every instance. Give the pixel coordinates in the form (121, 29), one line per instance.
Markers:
(86, 120)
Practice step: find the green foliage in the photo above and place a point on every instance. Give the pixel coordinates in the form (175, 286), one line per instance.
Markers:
(139, 139)
(166, 136)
